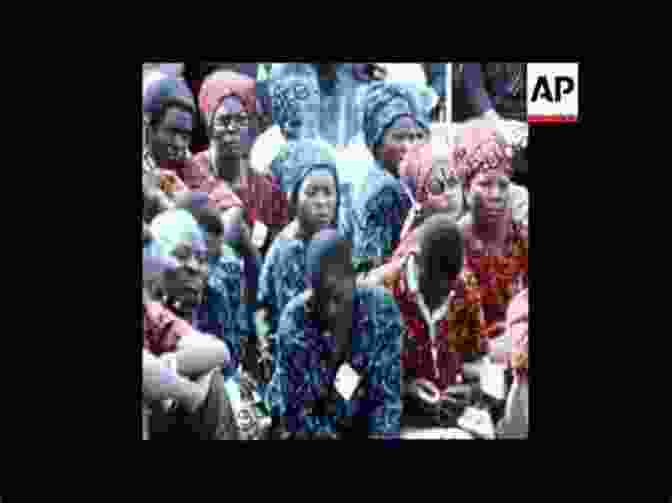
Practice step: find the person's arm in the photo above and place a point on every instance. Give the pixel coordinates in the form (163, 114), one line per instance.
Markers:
(384, 377)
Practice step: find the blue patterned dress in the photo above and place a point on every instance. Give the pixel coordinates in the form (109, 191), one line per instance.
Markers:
(282, 278)
(222, 313)
(379, 211)
(376, 353)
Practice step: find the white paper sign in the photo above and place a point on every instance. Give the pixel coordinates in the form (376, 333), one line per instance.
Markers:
(346, 381)
(259, 234)
(493, 382)
(478, 422)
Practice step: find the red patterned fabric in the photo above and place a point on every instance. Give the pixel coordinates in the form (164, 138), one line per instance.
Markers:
(162, 329)
(258, 194)
(498, 278)
(517, 321)
(459, 331)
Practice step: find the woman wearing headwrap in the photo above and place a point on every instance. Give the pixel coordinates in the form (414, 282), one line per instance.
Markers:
(168, 113)
(169, 330)
(395, 118)
(338, 372)
(229, 107)
(315, 199)
(496, 243)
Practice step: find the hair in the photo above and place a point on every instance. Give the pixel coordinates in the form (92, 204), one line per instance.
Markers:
(174, 101)
(441, 246)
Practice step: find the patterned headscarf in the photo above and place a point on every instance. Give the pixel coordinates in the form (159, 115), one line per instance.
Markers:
(326, 243)
(159, 87)
(479, 149)
(296, 96)
(222, 84)
(290, 164)
(416, 168)
(385, 102)
(171, 228)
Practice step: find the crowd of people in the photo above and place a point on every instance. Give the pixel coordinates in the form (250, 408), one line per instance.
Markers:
(334, 251)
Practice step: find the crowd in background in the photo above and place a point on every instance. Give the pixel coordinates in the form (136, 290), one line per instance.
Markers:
(334, 251)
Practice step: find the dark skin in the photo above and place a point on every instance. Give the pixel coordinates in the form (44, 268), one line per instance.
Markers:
(184, 285)
(395, 144)
(169, 139)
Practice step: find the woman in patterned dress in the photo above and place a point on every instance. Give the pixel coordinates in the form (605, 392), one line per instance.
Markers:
(395, 118)
(338, 370)
(315, 196)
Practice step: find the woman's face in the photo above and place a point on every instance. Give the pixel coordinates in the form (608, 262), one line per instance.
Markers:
(184, 285)
(317, 201)
(397, 141)
(490, 195)
(233, 130)
(444, 190)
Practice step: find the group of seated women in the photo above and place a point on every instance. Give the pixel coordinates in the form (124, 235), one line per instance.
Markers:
(362, 281)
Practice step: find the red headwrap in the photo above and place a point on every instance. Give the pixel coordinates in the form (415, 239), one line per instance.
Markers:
(417, 166)
(480, 149)
(222, 84)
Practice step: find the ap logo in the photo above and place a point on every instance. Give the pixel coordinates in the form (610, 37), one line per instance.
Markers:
(552, 92)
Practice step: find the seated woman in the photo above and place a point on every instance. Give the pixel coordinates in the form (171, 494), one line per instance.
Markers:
(338, 370)
(443, 317)
(315, 200)
(166, 333)
(394, 119)
(496, 244)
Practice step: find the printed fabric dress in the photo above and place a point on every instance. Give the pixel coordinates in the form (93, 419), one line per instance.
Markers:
(379, 212)
(301, 371)
(497, 278)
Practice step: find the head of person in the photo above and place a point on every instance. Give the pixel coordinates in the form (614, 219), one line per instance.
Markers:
(313, 182)
(295, 101)
(484, 163)
(199, 206)
(440, 257)
(331, 276)
(395, 119)
(229, 106)
(179, 238)
(428, 170)
(168, 112)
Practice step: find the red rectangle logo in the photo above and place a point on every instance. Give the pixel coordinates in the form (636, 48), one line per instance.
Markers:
(552, 119)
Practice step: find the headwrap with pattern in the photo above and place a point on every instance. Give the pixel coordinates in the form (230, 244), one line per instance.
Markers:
(290, 164)
(387, 101)
(479, 149)
(416, 168)
(222, 84)
(296, 97)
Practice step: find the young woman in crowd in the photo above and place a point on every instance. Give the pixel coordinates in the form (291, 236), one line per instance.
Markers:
(168, 327)
(395, 118)
(496, 244)
(338, 370)
(315, 202)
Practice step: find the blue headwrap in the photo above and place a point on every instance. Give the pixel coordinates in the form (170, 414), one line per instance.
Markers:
(171, 228)
(326, 243)
(163, 88)
(291, 164)
(296, 97)
(385, 102)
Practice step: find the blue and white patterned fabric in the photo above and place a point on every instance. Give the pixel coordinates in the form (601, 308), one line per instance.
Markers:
(379, 212)
(295, 104)
(223, 313)
(384, 102)
(376, 353)
(283, 277)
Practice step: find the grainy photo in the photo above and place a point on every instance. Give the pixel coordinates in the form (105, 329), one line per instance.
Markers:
(332, 251)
